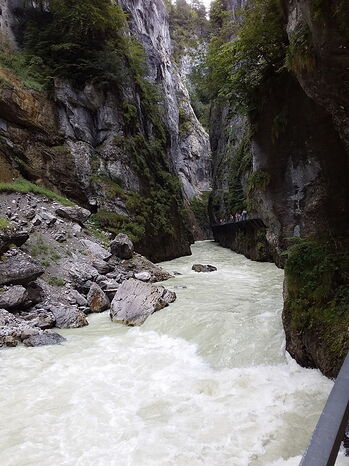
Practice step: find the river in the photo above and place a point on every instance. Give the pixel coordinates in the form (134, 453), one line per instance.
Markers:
(205, 381)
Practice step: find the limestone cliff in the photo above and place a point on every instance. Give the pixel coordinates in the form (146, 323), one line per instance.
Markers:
(99, 146)
(287, 161)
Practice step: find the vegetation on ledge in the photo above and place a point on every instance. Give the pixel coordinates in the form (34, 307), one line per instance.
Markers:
(317, 275)
(24, 186)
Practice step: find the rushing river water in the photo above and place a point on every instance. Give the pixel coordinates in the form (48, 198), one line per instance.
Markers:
(205, 381)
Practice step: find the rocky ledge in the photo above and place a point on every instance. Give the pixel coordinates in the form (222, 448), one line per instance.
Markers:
(56, 268)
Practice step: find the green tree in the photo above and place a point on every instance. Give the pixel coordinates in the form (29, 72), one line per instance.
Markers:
(78, 39)
(255, 50)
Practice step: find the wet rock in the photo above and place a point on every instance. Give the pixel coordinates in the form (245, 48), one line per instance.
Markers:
(122, 246)
(95, 250)
(14, 330)
(97, 299)
(67, 316)
(135, 301)
(43, 339)
(75, 214)
(13, 297)
(11, 235)
(203, 268)
(143, 276)
(19, 269)
(39, 317)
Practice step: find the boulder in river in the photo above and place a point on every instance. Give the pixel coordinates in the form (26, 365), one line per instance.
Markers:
(39, 317)
(44, 338)
(97, 300)
(66, 316)
(19, 268)
(204, 268)
(135, 301)
(122, 246)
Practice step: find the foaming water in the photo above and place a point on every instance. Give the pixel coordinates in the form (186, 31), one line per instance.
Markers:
(203, 382)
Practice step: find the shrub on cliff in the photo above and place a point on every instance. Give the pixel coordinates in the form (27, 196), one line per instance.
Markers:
(317, 276)
(81, 40)
(238, 67)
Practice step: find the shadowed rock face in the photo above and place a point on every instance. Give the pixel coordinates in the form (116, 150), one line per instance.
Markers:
(306, 163)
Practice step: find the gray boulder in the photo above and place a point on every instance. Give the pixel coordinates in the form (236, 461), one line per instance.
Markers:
(95, 250)
(75, 214)
(39, 317)
(102, 266)
(19, 269)
(97, 300)
(74, 297)
(67, 316)
(13, 297)
(43, 339)
(10, 236)
(143, 276)
(139, 264)
(135, 301)
(81, 272)
(203, 268)
(122, 246)
(14, 330)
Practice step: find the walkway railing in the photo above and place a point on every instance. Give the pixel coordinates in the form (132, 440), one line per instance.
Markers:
(230, 221)
(331, 428)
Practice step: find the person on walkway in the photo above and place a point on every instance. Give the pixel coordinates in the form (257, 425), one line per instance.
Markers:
(244, 215)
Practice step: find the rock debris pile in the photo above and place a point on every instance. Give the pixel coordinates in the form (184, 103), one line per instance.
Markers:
(54, 272)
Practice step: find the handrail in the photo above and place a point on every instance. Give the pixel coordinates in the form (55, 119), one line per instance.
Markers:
(232, 221)
(330, 430)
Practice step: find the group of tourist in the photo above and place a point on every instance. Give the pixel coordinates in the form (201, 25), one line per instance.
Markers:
(237, 217)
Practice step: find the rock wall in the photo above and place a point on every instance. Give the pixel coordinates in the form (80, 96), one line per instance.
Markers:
(190, 149)
(247, 238)
(297, 180)
(80, 141)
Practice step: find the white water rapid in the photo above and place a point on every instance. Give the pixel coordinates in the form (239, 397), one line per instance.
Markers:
(204, 382)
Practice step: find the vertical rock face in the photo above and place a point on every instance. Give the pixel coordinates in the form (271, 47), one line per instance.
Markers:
(190, 149)
(86, 146)
(296, 177)
(8, 21)
(305, 157)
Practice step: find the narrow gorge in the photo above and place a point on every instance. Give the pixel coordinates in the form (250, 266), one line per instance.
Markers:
(174, 224)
